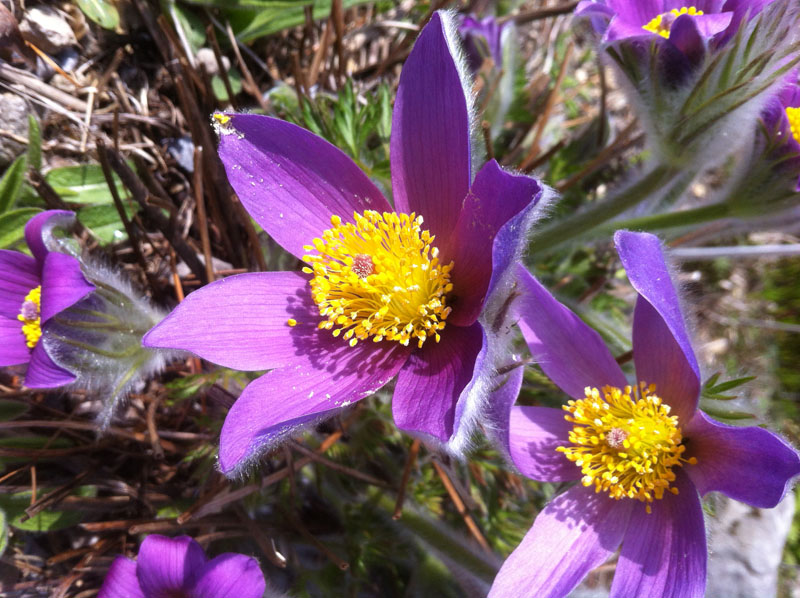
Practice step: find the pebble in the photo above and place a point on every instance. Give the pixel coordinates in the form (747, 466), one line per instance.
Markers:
(47, 29)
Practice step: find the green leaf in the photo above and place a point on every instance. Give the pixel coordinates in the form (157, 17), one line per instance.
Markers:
(104, 223)
(34, 143)
(274, 16)
(44, 521)
(12, 225)
(3, 532)
(218, 85)
(102, 12)
(84, 184)
(11, 410)
(192, 25)
(11, 183)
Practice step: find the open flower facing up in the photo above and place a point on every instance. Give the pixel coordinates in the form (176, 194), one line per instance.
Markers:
(640, 453)
(32, 291)
(178, 568)
(386, 291)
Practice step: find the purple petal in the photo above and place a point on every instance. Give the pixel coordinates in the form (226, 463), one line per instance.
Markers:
(662, 351)
(494, 200)
(430, 145)
(43, 372)
(241, 321)
(750, 464)
(578, 531)
(121, 581)
(63, 284)
(534, 435)
(13, 348)
(326, 376)
(501, 400)
(664, 552)
(40, 225)
(168, 566)
(430, 383)
(639, 12)
(19, 274)
(685, 34)
(231, 576)
(292, 181)
(571, 353)
(710, 24)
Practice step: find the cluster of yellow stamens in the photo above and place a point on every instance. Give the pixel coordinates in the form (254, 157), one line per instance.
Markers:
(793, 114)
(662, 24)
(625, 442)
(29, 316)
(379, 278)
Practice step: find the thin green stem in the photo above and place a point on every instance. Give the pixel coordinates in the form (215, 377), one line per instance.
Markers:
(431, 534)
(676, 218)
(655, 181)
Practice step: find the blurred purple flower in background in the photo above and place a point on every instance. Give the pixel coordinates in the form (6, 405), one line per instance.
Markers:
(32, 291)
(642, 454)
(383, 293)
(483, 38)
(178, 568)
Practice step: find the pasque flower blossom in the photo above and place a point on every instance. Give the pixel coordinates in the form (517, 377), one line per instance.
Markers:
(640, 453)
(386, 291)
(178, 568)
(32, 291)
(484, 38)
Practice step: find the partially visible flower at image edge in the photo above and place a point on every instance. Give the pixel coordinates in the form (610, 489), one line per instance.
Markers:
(688, 26)
(383, 293)
(32, 291)
(179, 568)
(640, 455)
(781, 119)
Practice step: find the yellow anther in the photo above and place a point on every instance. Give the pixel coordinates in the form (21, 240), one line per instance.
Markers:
(29, 315)
(662, 23)
(291, 322)
(625, 442)
(222, 119)
(793, 114)
(379, 277)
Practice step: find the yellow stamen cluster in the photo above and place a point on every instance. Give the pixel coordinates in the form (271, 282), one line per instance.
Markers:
(793, 115)
(625, 443)
(29, 316)
(379, 278)
(662, 24)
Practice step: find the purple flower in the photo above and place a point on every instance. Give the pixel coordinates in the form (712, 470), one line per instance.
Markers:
(178, 568)
(641, 454)
(781, 120)
(383, 293)
(483, 38)
(684, 24)
(32, 291)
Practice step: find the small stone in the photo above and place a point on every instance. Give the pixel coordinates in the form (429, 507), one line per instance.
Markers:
(47, 29)
(746, 547)
(205, 57)
(15, 121)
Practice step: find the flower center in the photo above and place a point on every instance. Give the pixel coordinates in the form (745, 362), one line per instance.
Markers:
(625, 445)
(379, 277)
(29, 316)
(662, 24)
(794, 122)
